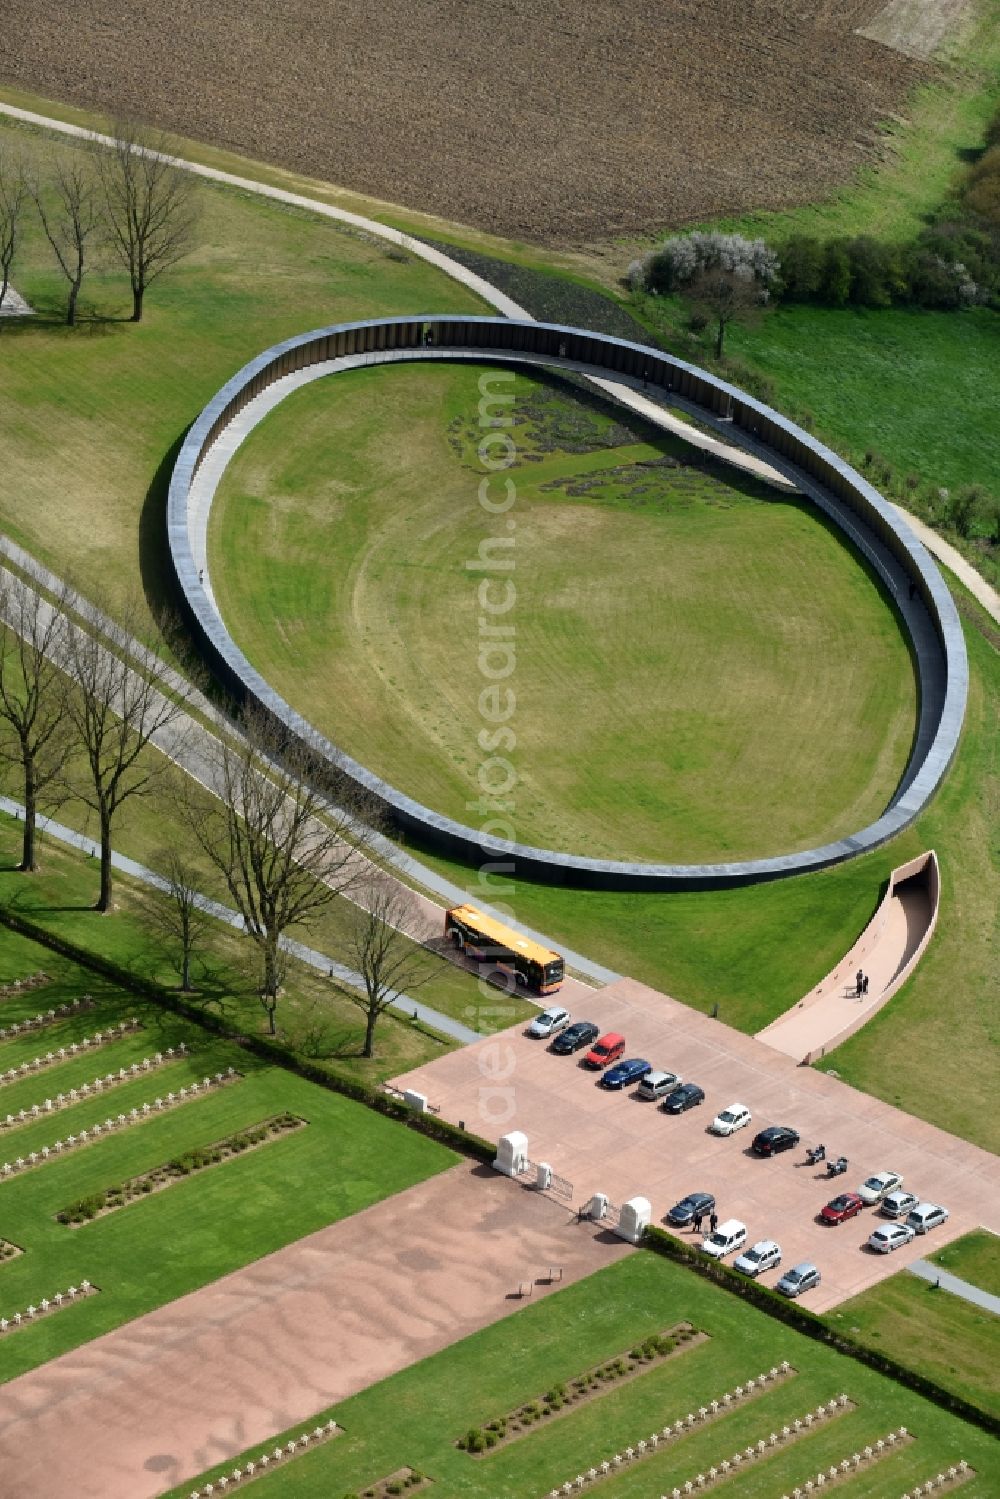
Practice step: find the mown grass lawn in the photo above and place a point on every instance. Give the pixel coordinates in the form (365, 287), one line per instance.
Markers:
(697, 670)
(93, 415)
(199, 1228)
(942, 1336)
(414, 1418)
(919, 388)
(975, 1258)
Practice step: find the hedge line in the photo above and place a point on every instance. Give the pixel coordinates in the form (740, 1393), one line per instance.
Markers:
(466, 1144)
(811, 1326)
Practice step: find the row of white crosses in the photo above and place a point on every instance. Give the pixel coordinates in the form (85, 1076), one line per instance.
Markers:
(87, 1090)
(850, 1465)
(18, 986)
(46, 1017)
(687, 1423)
(957, 1473)
(253, 1467)
(75, 1049)
(134, 1116)
(32, 1313)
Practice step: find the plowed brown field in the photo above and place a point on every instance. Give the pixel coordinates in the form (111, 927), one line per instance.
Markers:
(559, 121)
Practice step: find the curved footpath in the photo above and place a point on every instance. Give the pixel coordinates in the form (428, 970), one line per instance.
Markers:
(494, 297)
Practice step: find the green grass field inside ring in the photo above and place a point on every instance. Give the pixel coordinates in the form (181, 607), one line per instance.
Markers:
(673, 663)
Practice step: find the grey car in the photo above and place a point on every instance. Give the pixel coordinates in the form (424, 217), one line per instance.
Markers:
(799, 1278)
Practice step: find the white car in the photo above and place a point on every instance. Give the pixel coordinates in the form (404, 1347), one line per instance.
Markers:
(891, 1236)
(898, 1204)
(726, 1239)
(737, 1116)
(879, 1186)
(764, 1255)
(925, 1216)
(549, 1022)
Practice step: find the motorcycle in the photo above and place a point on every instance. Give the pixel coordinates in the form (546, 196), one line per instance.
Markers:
(817, 1154)
(837, 1167)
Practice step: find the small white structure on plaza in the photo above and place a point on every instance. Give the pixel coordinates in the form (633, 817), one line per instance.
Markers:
(512, 1154)
(634, 1219)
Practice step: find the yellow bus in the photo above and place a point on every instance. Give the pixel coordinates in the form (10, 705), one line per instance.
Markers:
(488, 940)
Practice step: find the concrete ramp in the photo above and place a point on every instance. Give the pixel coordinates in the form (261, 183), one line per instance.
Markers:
(888, 950)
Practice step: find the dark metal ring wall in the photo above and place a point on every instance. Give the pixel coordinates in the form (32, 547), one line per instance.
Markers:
(871, 523)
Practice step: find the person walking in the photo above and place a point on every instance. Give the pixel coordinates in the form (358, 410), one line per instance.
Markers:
(859, 984)
(713, 1222)
(864, 985)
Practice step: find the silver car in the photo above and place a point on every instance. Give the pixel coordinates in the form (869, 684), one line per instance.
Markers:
(800, 1278)
(889, 1237)
(550, 1022)
(925, 1216)
(764, 1255)
(898, 1204)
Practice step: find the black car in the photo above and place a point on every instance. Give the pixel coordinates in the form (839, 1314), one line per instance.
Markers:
(684, 1097)
(695, 1202)
(581, 1033)
(771, 1141)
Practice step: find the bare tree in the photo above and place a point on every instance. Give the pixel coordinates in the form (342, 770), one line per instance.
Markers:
(150, 206)
(384, 948)
(726, 297)
(125, 698)
(13, 201)
(178, 913)
(32, 699)
(71, 214)
(287, 835)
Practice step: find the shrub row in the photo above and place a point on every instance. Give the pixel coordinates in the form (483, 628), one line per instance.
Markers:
(480, 1439)
(86, 1208)
(811, 1326)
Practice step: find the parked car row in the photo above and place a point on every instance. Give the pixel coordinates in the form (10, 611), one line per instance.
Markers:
(883, 1190)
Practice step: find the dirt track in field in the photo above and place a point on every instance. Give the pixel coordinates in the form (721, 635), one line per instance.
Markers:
(558, 121)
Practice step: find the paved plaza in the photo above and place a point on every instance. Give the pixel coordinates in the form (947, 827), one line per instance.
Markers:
(614, 1143)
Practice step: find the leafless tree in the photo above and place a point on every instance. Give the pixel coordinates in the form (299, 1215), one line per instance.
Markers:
(32, 699)
(725, 297)
(13, 201)
(150, 206)
(384, 948)
(69, 206)
(123, 698)
(178, 913)
(287, 834)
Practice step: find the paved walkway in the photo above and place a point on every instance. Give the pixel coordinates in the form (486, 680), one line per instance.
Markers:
(158, 1401)
(955, 1285)
(890, 944)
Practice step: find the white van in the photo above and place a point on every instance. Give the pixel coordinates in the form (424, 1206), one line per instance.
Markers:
(728, 1237)
(657, 1085)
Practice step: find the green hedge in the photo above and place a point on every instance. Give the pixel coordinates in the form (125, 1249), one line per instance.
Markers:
(264, 1047)
(814, 1327)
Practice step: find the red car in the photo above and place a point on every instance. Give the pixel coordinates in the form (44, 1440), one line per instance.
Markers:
(847, 1205)
(605, 1051)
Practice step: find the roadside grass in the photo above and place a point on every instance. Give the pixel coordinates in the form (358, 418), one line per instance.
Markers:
(414, 1417)
(93, 415)
(677, 692)
(940, 1335)
(975, 1258)
(755, 951)
(314, 1019)
(199, 1228)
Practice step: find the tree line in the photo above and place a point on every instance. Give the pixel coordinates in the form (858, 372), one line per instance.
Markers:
(127, 199)
(85, 705)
